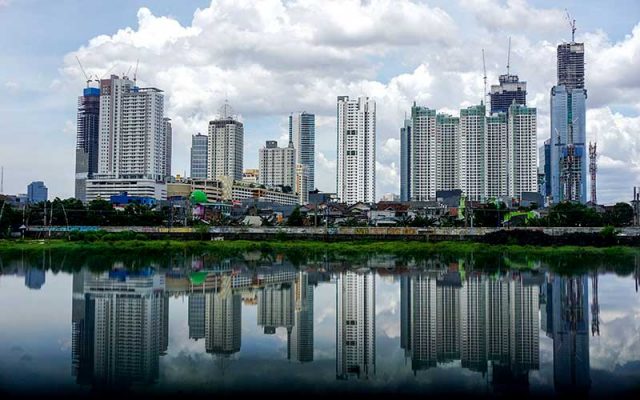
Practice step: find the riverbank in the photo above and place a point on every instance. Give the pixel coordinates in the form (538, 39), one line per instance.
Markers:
(308, 247)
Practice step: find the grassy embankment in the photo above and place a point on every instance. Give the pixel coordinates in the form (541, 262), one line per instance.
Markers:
(309, 247)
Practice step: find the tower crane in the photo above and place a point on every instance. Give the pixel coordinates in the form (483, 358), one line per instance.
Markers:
(484, 78)
(572, 24)
(84, 72)
(509, 56)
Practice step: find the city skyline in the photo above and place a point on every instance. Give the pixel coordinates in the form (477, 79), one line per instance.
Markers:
(406, 69)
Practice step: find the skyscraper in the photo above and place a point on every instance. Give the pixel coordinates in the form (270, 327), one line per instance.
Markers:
(422, 154)
(355, 325)
(275, 307)
(447, 152)
(196, 317)
(356, 171)
(473, 137)
(132, 131)
(168, 144)
(522, 142)
(497, 155)
(405, 160)
(223, 319)
(277, 165)
(226, 148)
(87, 139)
(302, 133)
(510, 90)
(199, 156)
(571, 65)
(568, 127)
(300, 337)
(37, 192)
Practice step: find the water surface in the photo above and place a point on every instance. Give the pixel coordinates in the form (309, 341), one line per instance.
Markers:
(196, 323)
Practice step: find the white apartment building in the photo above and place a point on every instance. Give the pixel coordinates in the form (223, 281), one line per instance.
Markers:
(223, 322)
(302, 183)
(277, 165)
(132, 134)
(447, 152)
(422, 153)
(356, 170)
(523, 155)
(473, 141)
(497, 155)
(226, 148)
(105, 188)
(356, 325)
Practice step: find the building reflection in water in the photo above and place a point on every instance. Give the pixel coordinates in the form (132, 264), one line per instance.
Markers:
(566, 321)
(119, 326)
(355, 324)
(489, 324)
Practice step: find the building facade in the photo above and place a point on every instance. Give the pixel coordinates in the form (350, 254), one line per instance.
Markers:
(302, 176)
(523, 156)
(405, 159)
(356, 169)
(447, 152)
(473, 152)
(168, 147)
(199, 156)
(302, 133)
(37, 192)
(132, 131)
(226, 148)
(510, 90)
(87, 139)
(497, 155)
(422, 154)
(277, 165)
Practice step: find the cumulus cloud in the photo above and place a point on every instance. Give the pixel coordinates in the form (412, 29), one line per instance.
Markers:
(274, 57)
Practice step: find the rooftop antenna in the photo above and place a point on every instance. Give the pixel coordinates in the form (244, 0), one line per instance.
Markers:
(484, 67)
(83, 72)
(572, 24)
(509, 56)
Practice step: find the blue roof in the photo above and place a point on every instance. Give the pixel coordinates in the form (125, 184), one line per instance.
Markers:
(90, 91)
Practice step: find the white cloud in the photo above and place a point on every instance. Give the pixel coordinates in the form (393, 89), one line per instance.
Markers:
(515, 15)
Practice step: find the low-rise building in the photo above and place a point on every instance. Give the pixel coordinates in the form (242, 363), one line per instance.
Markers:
(105, 188)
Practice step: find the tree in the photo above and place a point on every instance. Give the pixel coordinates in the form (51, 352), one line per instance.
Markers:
(295, 219)
(620, 215)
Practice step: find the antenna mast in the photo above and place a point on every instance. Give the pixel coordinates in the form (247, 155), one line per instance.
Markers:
(509, 56)
(572, 24)
(484, 78)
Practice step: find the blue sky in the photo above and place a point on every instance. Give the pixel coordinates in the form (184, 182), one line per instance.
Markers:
(271, 58)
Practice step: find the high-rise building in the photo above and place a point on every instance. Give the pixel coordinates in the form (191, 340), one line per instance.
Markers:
(405, 160)
(168, 146)
(87, 139)
(568, 137)
(422, 154)
(522, 144)
(546, 168)
(510, 90)
(37, 192)
(302, 179)
(277, 165)
(571, 65)
(473, 321)
(497, 155)
(302, 133)
(568, 177)
(226, 148)
(356, 171)
(199, 156)
(473, 165)
(448, 292)
(132, 131)
(355, 325)
(34, 278)
(447, 152)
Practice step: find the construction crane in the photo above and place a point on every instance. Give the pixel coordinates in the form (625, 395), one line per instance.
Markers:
(87, 77)
(135, 72)
(572, 24)
(593, 169)
(484, 67)
(508, 56)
